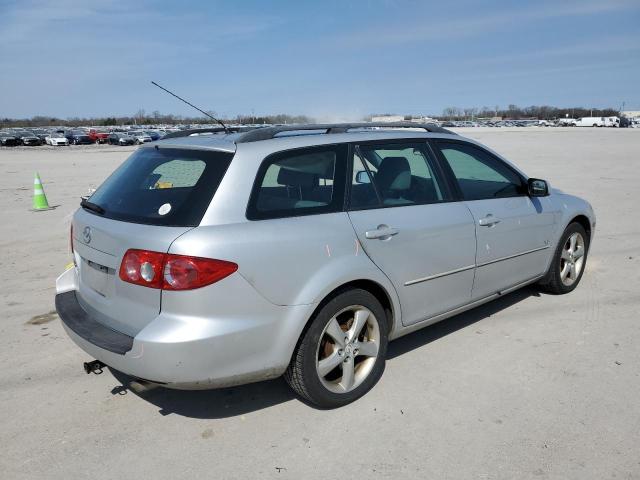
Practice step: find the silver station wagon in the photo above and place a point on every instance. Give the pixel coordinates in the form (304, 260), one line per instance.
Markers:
(219, 259)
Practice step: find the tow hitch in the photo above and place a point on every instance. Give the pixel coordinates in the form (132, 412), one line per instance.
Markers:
(94, 367)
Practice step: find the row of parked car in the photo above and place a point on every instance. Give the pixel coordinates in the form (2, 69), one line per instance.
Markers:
(560, 122)
(77, 136)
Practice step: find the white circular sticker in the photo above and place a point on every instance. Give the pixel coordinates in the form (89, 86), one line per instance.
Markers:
(164, 209)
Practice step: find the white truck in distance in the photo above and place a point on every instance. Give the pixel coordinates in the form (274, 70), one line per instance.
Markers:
(597, 122)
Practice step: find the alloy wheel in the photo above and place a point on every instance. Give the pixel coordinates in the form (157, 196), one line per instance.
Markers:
(348, 348)
(572, 259)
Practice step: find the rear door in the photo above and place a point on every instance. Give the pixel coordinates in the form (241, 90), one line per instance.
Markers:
(401, 211)
(513, 231)
(150, 200)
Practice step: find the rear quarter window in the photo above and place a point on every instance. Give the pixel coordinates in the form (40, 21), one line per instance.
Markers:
(299, 182)
(163, 186)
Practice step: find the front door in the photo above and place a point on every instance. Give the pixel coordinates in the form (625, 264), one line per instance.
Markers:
(402, 213)
(513, 231)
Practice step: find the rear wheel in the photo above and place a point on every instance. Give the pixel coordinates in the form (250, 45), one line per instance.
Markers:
(341, 356)
(569, 261)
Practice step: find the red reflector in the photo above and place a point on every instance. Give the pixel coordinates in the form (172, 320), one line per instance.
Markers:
(172, 272)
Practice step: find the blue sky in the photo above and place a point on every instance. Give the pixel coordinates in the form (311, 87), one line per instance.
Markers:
(329, 59)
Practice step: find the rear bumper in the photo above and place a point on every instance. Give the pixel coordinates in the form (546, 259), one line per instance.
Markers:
(83, 325)
(238, 337)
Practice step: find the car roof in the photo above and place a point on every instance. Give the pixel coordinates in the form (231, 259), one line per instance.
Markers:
(296, 136)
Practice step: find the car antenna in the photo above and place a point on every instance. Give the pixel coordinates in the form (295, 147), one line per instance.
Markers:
(226, 129)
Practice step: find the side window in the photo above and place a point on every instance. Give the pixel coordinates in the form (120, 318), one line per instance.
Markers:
(480, 176)
(299, 182)
(363, 193)
(393, 175)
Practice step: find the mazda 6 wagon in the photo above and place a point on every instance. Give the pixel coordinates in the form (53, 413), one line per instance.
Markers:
(211, 260)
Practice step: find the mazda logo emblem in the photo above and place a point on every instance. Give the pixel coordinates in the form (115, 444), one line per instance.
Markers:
(86, 234)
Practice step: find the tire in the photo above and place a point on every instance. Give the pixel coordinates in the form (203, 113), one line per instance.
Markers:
(316, 372)
(560, 278)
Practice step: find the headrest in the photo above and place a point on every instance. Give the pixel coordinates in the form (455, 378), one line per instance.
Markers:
(294, 178)
(394, 173)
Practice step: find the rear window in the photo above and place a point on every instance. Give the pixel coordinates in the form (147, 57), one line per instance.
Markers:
(165, 186)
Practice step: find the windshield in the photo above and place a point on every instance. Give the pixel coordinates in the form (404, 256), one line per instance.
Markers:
(171, 187)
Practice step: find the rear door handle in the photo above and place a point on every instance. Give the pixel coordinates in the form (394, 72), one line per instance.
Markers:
(488, 221)
(383, 232)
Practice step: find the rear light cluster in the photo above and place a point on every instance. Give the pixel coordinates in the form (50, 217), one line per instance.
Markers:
(172, 272)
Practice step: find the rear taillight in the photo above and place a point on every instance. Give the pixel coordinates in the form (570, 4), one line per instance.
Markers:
(172, 272)
(142, 268)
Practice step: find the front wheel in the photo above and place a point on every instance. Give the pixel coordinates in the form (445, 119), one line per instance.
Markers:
(569, 261)
(342, 354)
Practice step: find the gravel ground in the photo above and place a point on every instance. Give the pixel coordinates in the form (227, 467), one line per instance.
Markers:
(529, 386)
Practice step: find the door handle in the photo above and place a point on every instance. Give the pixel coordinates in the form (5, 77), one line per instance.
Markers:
(488, 221)
(383, 232)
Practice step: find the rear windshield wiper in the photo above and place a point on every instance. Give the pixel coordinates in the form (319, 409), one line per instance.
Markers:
(92, 206)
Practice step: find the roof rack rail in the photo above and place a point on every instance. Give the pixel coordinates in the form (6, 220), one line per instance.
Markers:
(267, 133)
(195, 131)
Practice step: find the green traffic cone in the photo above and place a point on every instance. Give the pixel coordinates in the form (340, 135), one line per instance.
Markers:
(39, 198)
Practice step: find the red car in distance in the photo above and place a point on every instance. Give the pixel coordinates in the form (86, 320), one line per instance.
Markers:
(98, 136)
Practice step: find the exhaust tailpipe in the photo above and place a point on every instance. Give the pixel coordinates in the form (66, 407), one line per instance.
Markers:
(141, 386)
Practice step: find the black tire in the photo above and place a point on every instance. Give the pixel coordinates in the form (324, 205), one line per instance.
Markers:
(552, 281)
(302, 375)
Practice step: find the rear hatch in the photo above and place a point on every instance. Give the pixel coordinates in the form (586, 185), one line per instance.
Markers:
(154, 197)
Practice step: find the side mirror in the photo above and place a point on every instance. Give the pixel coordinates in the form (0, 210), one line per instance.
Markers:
(537, 187)
(362, 177)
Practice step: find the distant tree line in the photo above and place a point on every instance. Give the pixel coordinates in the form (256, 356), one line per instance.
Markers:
(142, 118)
(541, 112)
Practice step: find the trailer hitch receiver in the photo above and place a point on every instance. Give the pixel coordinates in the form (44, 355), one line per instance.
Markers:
(94, 367)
